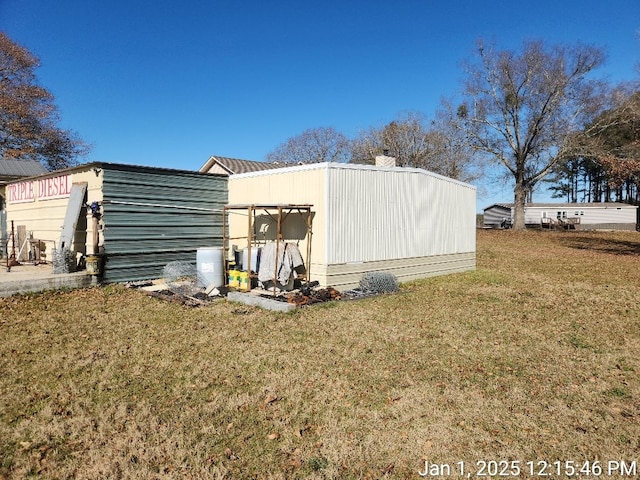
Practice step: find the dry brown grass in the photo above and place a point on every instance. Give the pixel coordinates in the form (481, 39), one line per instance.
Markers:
(534, 356)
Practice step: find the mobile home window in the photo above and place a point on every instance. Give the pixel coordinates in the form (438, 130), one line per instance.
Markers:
(562, 214)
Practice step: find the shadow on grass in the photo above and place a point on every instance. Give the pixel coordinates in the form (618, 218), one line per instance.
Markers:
(602, 245)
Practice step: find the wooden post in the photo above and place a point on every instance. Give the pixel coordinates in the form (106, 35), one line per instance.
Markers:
(309, 233)
(224, 245)
(96, 234)
(247, 267)
(278, 235)
(23, 255)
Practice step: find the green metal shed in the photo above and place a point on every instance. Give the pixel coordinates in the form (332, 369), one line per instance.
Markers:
(155, 216)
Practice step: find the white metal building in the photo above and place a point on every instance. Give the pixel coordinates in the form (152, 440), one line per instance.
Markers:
(406, 221)
(587, 216)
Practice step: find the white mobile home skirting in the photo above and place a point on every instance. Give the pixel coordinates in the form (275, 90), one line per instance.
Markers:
(348, 275)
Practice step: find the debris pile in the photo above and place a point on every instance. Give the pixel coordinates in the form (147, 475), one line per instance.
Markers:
(309, 296)
(183, 284)
(197, 300)
(371, 284)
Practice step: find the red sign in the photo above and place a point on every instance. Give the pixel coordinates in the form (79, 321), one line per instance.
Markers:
(54, 187)
(20, 192)
(47, 189)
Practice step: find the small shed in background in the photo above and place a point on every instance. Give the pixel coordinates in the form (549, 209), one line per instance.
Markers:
(138, 218)
(580, 216)
(405, 221)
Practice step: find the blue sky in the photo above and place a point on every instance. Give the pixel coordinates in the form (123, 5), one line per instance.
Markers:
(170, 83)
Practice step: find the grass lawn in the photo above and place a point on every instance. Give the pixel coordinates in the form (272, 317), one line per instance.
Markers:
(535, 356)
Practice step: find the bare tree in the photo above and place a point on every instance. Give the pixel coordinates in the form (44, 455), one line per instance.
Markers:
(523, 109)
(315, 145)
(613, 139)
(449, 153)
(438, 146)
(28, 116)
(367, 145)
(405, 138)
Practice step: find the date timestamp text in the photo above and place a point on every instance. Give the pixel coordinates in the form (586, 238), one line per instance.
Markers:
(532, 468)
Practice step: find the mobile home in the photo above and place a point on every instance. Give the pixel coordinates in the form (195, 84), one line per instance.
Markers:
(581, 216)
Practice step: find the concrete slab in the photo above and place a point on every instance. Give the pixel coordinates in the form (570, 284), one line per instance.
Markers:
(258, 301)
(28, 278)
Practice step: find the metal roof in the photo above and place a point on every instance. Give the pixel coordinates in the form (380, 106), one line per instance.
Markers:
(235, 165)
(113, 166)
(289, 168)
(566, 205)
(20, 168)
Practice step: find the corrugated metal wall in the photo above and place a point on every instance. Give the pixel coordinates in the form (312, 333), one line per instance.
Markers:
(155, 216)
(380, 214)
(495, 215)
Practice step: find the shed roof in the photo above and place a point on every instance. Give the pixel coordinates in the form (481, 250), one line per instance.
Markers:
(11, 169)
(350, 166)
(235, 165)
(96, 166)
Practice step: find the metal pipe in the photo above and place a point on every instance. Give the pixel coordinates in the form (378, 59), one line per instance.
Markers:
(178, 207)
(13, 241)
(278, 235)
(225, 248)
(309, 233)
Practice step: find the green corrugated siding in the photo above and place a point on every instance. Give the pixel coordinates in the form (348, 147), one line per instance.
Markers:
(151, 218)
